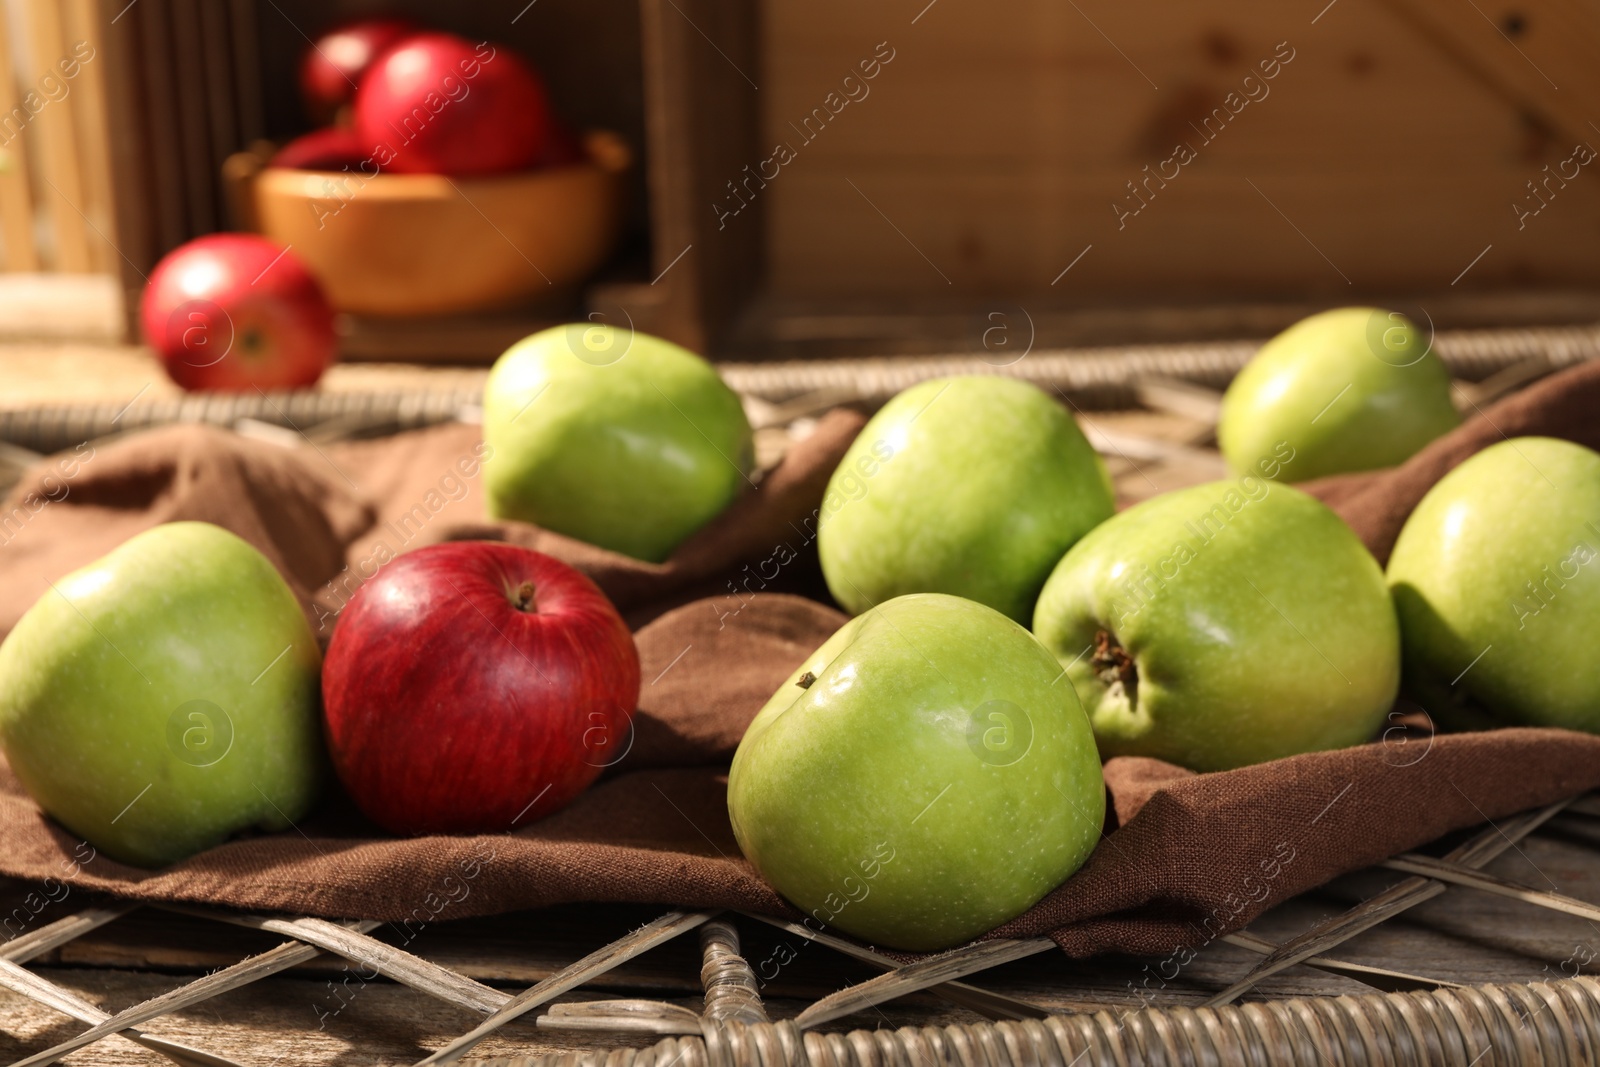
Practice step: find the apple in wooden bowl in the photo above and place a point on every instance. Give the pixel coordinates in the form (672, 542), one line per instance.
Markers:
(428, 244)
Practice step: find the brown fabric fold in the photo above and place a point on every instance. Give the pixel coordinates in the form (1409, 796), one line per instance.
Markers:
(414, 505)
(1185, 858)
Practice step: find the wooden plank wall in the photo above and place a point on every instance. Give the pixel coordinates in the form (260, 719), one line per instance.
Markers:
(1387, 154)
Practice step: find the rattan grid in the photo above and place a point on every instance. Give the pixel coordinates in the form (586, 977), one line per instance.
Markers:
(1089, 378)
(1409, 1018)
(1427, 1021)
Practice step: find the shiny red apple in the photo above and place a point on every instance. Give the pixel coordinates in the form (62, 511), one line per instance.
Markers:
(439, 104)
(330, 148)
(332, 66)
(475, 686)
(234, 311)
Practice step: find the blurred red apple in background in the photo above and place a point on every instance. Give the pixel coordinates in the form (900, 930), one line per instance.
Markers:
(332, 67)
(476, 686)
(331, 148)
(439, 104)
(235, 311)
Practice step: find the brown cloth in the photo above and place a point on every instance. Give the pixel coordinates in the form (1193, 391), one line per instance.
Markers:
(1185, 859)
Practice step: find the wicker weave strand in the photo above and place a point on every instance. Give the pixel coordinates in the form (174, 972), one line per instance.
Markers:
(1094, 378)
(731, 991)
(46, 428)
(1543, 1023)
(1106, 377)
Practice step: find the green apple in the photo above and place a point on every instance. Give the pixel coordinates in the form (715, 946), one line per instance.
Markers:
(1225, 624)
(613, 437)
(969, 486)
(925, 775)
(1352, 389)
(1494, 579)
(165, 697)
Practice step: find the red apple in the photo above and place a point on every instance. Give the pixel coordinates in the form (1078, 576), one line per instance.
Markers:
(438, 104)
(475, 686)
(330, 148)
(332, 67)
(235, 311)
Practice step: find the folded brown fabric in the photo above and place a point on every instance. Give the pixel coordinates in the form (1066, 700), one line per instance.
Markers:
(1185, 859)
(409, 474)
(74, 508)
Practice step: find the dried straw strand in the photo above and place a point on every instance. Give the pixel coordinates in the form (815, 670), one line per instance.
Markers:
(393, 963)
(982, 1001)
(1483, 847)
(1384, 978)
(957, 963)
(251, 969)
(623, 1016)
(1455, 874)
(20, 980)
(25, 947)
(595, 963)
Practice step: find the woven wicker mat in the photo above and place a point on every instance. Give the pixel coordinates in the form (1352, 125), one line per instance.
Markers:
(1169, 873)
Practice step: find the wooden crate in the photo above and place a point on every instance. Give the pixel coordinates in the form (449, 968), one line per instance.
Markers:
(190, 82)
(1090, 170)
(1012, 175)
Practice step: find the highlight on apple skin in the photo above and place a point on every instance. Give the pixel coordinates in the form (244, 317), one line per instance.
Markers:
(923, 777)
(332, 66)
(476, 686)
(613, 437)
(1494, 579)
(970, 486)
(1222, 625)
(1351, 389)
(164, 697)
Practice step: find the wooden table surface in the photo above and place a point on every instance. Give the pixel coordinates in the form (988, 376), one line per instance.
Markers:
(41, 372)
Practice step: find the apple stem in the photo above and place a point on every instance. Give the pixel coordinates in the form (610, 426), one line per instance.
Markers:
(524, 598)
(1113, 665)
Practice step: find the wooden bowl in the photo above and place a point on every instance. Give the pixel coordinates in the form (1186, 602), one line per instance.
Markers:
(426, 244)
